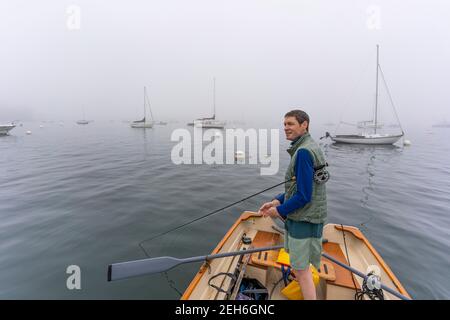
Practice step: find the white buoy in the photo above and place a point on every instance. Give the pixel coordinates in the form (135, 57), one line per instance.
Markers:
(239, 155)
(406, 142)
(41, 126)
(28, 132)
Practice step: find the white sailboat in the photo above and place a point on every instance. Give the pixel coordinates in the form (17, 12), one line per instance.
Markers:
(5, 128)
(83, 121)
(210, 122)
(144, 123)
(369, 134)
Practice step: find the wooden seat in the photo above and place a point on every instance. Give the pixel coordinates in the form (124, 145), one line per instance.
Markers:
(269, 259)
(265, 239)
(344, 278)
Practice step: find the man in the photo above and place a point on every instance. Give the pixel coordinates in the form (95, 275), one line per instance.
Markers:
(303, 206)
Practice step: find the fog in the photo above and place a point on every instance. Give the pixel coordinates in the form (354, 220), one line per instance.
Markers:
(60, 57)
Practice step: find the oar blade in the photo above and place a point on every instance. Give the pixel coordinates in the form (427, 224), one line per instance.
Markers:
(123, 270)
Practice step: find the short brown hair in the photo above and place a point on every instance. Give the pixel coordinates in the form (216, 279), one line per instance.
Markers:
(300, 115)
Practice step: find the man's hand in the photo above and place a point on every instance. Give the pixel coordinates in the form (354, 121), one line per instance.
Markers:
(267, 206)
(272, 212)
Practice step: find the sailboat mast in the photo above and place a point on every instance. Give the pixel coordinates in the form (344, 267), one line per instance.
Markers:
(376, 93)
(214, 97)
(145, 95)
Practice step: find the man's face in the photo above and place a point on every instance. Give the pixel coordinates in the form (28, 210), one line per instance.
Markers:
(293, 129)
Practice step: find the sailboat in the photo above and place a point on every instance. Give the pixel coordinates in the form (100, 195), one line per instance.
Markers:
(5, 128)
(144, 123)
(210, 122)
(369, 134)
(83, 121)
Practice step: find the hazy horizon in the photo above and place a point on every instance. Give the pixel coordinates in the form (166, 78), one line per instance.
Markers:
(267, 57)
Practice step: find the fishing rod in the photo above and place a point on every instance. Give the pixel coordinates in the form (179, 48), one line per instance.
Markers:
(209, 214)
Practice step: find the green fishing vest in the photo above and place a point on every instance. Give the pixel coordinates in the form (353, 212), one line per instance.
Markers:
(314, 211)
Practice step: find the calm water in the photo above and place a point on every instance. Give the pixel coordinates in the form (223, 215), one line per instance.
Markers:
(87, 195)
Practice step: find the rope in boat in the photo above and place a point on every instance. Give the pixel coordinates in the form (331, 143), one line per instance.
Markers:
(207, 215)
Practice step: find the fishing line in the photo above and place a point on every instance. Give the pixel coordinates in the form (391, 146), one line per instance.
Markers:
(172, 284)
(207, 215)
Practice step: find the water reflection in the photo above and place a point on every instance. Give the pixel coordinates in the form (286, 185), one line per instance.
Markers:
(361, 164)
(367, 189)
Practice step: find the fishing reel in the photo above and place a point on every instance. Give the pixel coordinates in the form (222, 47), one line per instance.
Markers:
(321, 174)
(373, 282)
(371, 286)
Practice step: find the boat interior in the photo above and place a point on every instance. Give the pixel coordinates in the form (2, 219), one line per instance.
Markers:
(225, 278)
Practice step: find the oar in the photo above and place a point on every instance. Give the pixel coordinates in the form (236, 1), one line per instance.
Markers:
(123, 270)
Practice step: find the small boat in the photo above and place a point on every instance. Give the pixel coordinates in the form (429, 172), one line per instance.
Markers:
(369, 134)
(341, 244)
(83, 121)
(209, 122)
(144, 123)
(5, 128)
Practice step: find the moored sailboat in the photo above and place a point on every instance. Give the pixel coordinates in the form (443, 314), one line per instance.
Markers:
(5, 128)
(83, 121)
(210, 122)
(144, 123)
(370, 133)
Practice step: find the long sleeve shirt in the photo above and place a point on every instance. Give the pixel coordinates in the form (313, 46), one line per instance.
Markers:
(304, 172)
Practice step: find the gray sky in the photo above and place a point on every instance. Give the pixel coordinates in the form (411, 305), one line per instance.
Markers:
(267, 57)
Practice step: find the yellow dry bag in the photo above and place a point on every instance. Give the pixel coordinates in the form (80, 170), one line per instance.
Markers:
(293, 291)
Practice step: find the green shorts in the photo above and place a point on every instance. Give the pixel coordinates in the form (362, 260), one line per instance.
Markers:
(305, 250)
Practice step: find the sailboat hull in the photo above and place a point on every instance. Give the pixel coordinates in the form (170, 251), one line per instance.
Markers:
(142, 125)
(209, 124)
(4, 129)
(372, 140)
